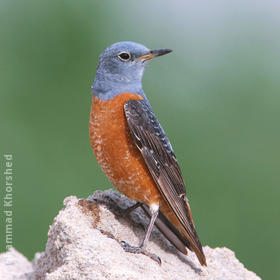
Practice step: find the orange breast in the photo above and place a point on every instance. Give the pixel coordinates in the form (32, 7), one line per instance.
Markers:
(116, 152)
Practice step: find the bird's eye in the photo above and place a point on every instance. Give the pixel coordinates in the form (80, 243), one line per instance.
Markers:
(124, 56)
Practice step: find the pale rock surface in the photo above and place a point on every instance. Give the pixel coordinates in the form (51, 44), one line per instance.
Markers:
(84, 243)
(14, 266)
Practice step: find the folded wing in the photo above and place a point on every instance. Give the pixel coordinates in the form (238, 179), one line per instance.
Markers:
(160, 159)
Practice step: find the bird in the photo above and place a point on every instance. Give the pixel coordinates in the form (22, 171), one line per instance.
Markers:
(133, 149)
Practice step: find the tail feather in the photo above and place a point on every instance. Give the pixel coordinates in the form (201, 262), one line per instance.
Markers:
(176, 238)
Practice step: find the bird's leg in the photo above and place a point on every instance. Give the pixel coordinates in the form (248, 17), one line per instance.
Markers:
(142, 248)
(132, 208)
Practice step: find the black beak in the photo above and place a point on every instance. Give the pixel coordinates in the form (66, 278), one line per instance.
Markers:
(160, 52)
(153, 53)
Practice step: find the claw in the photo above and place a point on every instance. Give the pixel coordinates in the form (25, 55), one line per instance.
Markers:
(140, 250)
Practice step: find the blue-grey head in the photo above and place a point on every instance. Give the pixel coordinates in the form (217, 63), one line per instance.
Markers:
(121, 68)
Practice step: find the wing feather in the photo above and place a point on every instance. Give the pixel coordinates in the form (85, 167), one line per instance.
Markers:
(160, 159)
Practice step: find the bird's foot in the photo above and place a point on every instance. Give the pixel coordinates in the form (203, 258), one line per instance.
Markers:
(140, 250)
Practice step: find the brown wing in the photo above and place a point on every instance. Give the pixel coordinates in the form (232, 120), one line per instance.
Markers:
(158, 154)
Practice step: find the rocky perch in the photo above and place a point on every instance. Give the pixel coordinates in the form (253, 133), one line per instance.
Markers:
(84, 243)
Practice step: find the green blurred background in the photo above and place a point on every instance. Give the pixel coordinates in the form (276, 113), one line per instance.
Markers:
(217, 96)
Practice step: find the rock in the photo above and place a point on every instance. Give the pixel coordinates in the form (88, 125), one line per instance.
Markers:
(84, 243)
(14, 266)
